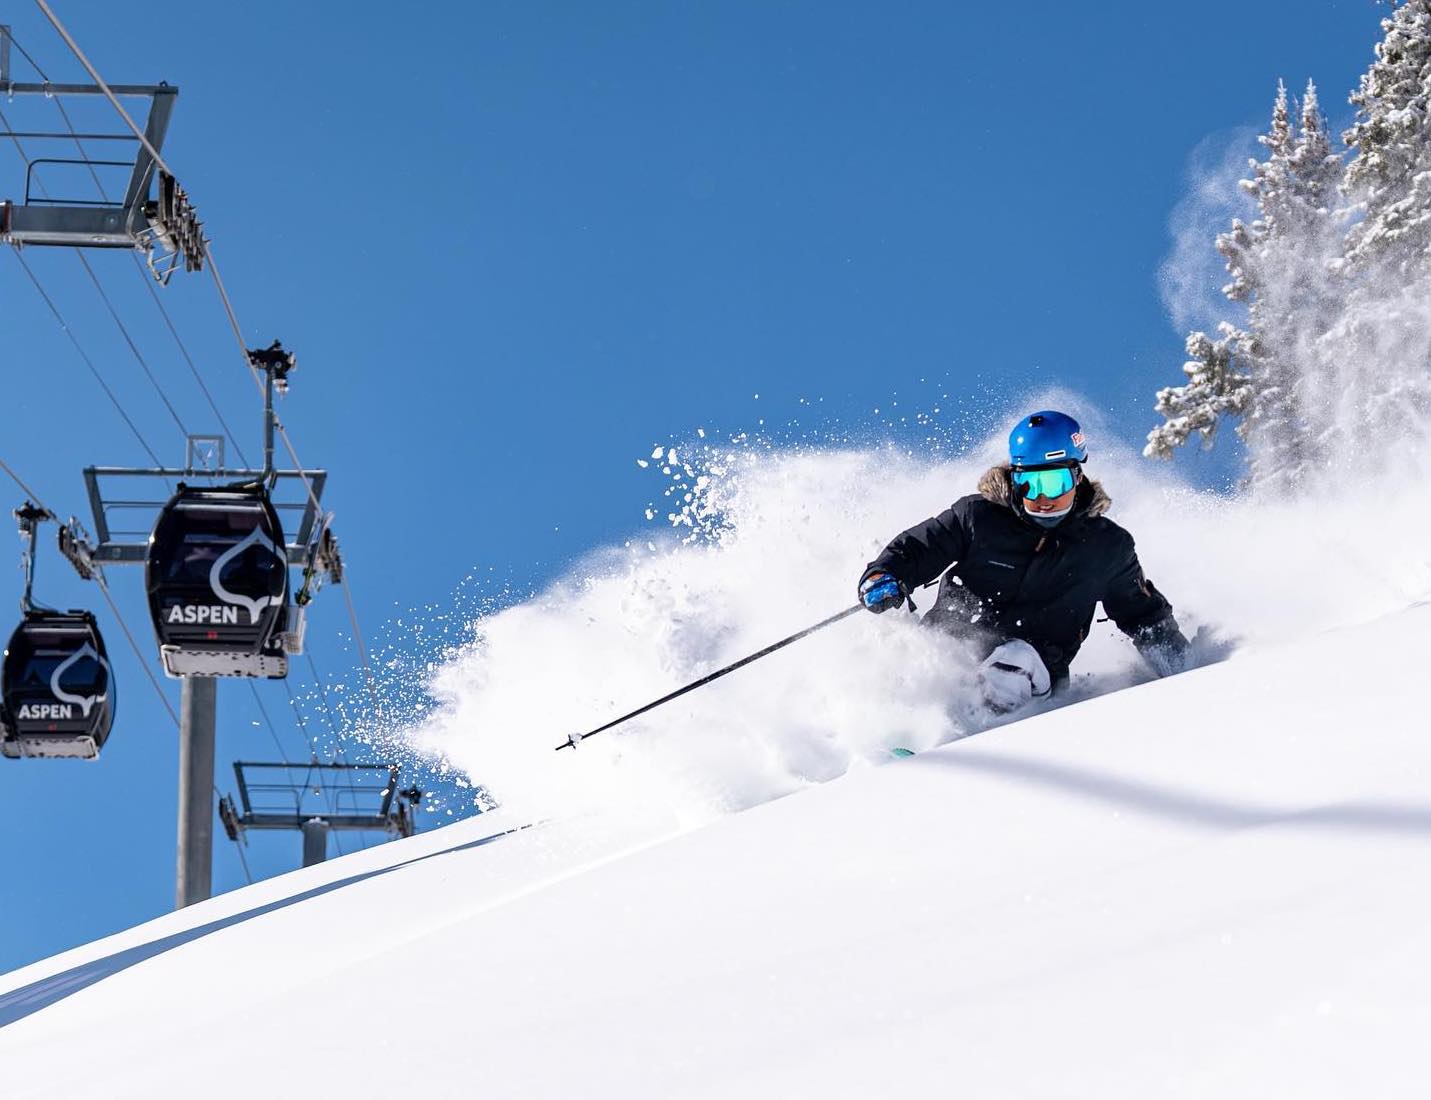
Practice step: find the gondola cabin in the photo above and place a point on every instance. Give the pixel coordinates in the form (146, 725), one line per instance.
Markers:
(217, 578)
(58, 694)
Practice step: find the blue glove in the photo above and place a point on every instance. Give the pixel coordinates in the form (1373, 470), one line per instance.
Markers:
(879, 592)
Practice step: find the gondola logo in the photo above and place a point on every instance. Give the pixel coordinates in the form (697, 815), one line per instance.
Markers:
(84, 702)
(203, 613)
(255, 607)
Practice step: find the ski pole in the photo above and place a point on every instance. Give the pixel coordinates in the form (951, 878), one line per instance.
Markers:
(573, 739)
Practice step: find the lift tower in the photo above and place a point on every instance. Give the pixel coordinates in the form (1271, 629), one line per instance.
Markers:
(217, 563)
(217, 558)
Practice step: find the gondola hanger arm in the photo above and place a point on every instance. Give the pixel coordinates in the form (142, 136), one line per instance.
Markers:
(29, 516)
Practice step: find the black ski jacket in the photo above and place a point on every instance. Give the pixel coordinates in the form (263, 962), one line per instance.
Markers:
(1007, 577)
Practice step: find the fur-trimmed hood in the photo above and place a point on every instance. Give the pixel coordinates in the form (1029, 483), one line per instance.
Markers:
(1090, 502)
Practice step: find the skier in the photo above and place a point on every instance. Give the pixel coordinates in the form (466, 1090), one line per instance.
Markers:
(1025, 560)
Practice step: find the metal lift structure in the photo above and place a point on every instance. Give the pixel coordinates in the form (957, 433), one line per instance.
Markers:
(154, 216)
(120, 542)
(316, 799)
(218, 551)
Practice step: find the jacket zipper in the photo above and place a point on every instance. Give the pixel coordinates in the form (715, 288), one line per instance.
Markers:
(1018, 591)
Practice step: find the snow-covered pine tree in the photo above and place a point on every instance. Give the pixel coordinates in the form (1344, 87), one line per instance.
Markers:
(1293, 292)
(1391, 172)
(1216, 387)
(1377, 378)
(1279, 270)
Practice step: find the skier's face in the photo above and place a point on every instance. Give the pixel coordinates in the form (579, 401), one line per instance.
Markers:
(1044, 505)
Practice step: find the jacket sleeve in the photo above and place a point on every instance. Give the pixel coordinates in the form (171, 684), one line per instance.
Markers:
(919, 555)
(1144, 614)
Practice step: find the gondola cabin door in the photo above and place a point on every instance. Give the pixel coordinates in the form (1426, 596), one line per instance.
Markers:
(217, 578)
(57, 687)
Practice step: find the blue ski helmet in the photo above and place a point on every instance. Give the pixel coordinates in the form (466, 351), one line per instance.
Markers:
(1046, 438)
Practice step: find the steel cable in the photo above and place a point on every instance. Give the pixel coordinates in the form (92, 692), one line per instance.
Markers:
(149, 284)
(88, 362)
(128, 634)
(159, 161)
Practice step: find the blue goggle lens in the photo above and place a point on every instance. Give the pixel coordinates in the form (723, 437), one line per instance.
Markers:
(1044, 483)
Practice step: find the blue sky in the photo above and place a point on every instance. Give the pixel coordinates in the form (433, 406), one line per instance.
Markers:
(515, 244)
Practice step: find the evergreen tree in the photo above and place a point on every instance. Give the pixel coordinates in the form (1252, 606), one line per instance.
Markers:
(1391, 172)
(1377, 354)
(1294, 291)
(1279, 271)
(1215, 388)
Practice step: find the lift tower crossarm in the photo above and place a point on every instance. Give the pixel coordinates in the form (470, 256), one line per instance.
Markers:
(134, 222)
(282, 798)
(50, 89)
(118, 548)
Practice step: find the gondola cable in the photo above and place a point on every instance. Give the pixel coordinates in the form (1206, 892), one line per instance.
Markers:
(243, 859)
(313, 749)
(147, 281)
(189, 359)
(229, 311)
(323, 697)
(18, 481)
(309, 484)
(133, 348)
(332, 805)
(98, 286)
(159, 389)
(129, 636)
(104, 590)
(88, 362)
(312, 739)
(28, 57)
(370, 679)
(99, 186)
(338, 751)
(272, 731)
(134, 645)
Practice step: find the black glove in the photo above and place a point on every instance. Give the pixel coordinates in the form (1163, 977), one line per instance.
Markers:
(1163, 646)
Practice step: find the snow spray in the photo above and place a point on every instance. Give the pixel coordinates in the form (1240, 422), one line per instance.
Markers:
(764, 539)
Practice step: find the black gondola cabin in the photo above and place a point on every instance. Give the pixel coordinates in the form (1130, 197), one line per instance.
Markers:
(58, 694)
(217, 578)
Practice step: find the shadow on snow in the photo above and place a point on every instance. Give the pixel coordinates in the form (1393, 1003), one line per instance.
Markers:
(26, 1001)
(1183, 806)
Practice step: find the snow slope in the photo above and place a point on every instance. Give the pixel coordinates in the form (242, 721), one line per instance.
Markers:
(1213, 885)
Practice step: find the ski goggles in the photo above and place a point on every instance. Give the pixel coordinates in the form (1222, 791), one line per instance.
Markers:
(1053, 483)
